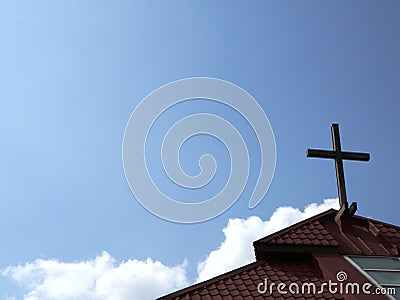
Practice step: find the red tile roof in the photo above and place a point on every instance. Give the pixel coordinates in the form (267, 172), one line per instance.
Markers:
(356, 235)
(311, 233)
(242, 283)
(310, 251)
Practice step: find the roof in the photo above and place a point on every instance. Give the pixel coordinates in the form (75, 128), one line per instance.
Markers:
(309, 251)
(356, 236)
(242, 283)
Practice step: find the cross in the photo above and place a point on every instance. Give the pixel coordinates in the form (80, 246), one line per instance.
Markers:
(338, 155)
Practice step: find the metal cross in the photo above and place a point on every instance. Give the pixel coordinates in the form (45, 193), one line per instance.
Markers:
(338, 155)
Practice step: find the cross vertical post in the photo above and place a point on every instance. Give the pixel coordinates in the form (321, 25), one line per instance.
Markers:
(338, 155)
(337, 148)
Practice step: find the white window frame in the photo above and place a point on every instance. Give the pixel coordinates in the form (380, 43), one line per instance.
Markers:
(364, 271)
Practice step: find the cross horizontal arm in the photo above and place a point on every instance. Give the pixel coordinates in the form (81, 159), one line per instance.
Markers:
(321, 153)
(333, 154)
(355, 156)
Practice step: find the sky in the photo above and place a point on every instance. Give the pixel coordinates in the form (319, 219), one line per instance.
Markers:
(73, 72)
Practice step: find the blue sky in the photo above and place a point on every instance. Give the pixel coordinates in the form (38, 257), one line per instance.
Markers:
(72, 72)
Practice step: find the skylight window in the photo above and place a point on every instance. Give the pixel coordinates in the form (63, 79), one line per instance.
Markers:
(384, 270)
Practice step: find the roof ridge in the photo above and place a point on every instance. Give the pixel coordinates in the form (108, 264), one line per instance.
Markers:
(377, 221)
(295, 226)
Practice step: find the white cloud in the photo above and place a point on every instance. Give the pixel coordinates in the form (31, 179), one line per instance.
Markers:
(237, 248)
(100, 278)
(103, 279)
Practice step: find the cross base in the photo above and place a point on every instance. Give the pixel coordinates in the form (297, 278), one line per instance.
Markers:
(346, 211)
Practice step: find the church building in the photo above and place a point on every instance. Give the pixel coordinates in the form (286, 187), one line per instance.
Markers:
(333, 255)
